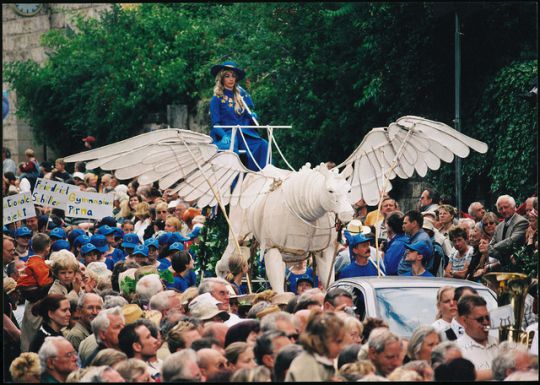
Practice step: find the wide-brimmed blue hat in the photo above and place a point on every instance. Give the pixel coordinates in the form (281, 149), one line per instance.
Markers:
(356, 239)
(130, 240)
(228, 65)
(100, 242)
(421, 248)
(23, 232)
(305, 277)
(58, 233)
(141, 250)
(60, 244)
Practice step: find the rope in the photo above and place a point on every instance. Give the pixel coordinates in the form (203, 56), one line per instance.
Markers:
(280, 153)
(248, 150)
(218, 198)
(385, 184)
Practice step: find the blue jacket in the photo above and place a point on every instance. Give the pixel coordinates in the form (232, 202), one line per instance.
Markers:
(394, 253)
(222, 113)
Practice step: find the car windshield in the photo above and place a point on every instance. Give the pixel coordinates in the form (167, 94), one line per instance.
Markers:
(404, 309)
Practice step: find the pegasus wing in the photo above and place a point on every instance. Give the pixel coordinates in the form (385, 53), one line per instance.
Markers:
(410, 144)
(185, 161)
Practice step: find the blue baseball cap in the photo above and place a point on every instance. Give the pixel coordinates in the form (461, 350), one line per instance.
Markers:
(23, 232)
(420, 247)
(176, 237)
(356, 239)
(81, 240)
(58, 233)
(176, 246)
(305, 277)
(74, 234)
(105, 230)
(7, 231)
(60, 244)
(141, 250)
(87, 248)
(118, 233)
(152, 242)
(100, 242)
(130, 240)
(163, 239)
(195, 232)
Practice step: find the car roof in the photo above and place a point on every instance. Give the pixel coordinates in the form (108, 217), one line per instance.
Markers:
(401, 281)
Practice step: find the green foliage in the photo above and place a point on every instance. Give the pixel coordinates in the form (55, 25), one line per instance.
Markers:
(212, 243)
(331, 70)
(526, 261)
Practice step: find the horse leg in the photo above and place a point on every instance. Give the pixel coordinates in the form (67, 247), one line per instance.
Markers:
(275, 270)
(325, 266)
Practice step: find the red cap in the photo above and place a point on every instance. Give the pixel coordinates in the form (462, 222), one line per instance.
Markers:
(89, 139)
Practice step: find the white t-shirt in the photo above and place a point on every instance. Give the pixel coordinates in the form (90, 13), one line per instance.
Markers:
(458, 262)
(481, 356)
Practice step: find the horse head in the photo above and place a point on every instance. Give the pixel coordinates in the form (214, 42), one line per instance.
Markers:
(334, 195)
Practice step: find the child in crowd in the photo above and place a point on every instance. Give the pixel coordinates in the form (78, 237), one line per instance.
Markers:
(461, 254)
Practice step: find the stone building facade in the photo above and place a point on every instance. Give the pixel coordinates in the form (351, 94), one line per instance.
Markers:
(21, 36)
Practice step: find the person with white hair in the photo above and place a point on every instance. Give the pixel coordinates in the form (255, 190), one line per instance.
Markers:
(89, 306)
(105, 327)
(181, 367)
(146, 287)
(58, 359)
(165, 301)
(511, 358)
(476, 210)
(510, 233)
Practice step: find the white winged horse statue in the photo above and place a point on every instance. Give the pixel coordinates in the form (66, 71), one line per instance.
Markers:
(290, 213)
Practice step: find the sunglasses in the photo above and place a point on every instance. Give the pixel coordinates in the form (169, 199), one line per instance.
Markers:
(162, 211)
(489, 223)
(481, 319)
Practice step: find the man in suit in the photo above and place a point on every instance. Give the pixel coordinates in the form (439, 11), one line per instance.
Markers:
(510, 233)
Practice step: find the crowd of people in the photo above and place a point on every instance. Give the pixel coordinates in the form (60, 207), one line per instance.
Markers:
(118, 299)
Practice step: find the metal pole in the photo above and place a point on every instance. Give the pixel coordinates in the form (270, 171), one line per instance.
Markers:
(457, 101)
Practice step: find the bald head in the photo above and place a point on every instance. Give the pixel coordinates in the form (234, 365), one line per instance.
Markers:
(210, 361)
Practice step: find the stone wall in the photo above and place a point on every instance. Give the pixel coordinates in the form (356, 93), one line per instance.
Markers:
(21, 41)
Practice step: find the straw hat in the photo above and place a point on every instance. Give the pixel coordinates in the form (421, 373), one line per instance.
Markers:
(355, 227)
(282, 298)
(154, 316)
(206, 311)
(9, 285)
(268, 310)
(132, 312)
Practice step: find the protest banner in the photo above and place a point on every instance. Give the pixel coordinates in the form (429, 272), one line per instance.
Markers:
(82, 204)
(18, 207)
(49, 193)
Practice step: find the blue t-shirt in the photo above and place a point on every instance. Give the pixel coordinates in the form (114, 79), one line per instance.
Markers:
(182, 283)
(291, 278)
(424, 274)
(355, 270)
(116, 256)
(394, 253)
(164, 264)
(242, 289)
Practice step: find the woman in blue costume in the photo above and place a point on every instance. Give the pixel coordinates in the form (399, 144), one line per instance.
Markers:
(228, 108)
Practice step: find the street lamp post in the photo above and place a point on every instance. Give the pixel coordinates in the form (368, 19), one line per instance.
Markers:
(457, 100)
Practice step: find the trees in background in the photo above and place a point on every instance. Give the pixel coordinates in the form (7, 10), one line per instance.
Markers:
(331, 70)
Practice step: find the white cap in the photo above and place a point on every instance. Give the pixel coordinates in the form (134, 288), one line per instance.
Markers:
(78, 174)
(173, 204)
(203, 299)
